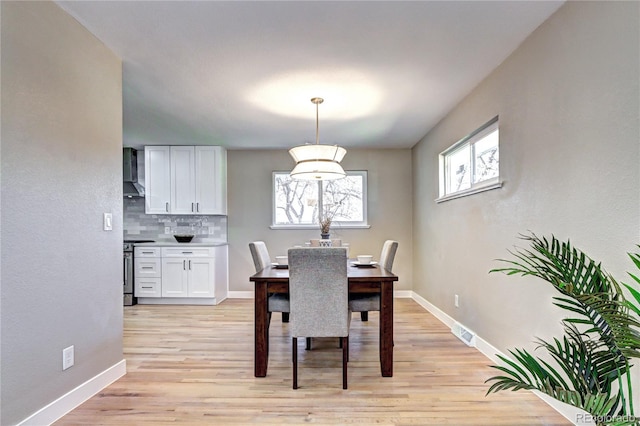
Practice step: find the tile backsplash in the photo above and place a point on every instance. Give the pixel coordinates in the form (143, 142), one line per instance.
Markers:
(141, 226)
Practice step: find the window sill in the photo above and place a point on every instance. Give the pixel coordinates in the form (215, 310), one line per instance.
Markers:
(477, 189)
(303, 227)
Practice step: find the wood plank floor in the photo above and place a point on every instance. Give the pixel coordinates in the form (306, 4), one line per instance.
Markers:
(194, 365)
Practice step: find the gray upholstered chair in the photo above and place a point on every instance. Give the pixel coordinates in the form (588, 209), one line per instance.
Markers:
(364, 303)
(319, 299)
(261, 259)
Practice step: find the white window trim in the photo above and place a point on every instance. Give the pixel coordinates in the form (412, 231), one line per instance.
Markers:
(480, 187)
(483, 186)
(335, 225)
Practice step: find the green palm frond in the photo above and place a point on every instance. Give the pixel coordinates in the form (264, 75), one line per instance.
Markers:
(588, 291)
(634, 293)
(531, 373)
(590, 363)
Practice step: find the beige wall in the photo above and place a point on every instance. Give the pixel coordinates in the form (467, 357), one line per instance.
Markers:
(61, 170)
(568, 101)
(250, 209)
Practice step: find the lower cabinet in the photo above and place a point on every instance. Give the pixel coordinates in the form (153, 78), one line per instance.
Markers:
(188, 277)
(181, 275)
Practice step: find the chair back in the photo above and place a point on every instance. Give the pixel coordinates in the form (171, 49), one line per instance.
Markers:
(260, 255)
(318, 292)
(388, 254)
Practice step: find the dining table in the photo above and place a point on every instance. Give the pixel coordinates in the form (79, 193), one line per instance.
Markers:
(362, 279)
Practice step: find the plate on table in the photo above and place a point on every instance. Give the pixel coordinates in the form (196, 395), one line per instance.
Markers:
(359, 264)
(279, 266)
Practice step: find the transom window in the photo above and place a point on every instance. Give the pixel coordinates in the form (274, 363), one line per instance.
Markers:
(301, 203)
(472, 164)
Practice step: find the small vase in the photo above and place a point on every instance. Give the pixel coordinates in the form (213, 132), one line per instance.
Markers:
(325, 236)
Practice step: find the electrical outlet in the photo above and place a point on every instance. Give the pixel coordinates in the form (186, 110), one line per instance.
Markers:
(212, 230)
(67, 357)
(456, 301)
(167, 229)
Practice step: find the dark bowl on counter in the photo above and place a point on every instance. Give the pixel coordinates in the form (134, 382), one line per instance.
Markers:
(183, 238)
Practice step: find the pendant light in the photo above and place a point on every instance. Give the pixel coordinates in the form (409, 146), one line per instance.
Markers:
(317, 162)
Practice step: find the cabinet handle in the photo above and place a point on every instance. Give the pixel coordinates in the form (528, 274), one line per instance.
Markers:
(191, 206)
(167, 206)
(146, 287)
(147, 267)
(147, 252)
(187, 252)
(189, 265)
(197, 207)
(184, 263)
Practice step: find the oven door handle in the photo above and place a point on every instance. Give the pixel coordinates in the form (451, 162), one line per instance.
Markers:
(128, 268)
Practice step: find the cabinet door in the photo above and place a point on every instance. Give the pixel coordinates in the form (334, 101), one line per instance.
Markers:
(157, 175)
(201, 277)
(174, 277)
(183, 180)
(211, 180)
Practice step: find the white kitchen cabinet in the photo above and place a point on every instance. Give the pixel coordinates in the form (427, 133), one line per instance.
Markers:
(188, 272)
(172, 273)
(211, 180)
(157, 172)
(148, 287)
(197, 180)
(183, 180)
(147, 272)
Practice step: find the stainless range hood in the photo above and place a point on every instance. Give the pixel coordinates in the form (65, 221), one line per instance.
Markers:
(131, 188)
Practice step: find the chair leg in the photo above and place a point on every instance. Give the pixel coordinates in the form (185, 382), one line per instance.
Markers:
(308, 347)
(345, 358)
(285, 317)
(364, 316)
(294, 348)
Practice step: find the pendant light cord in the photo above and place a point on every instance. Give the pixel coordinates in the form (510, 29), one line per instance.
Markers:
(317, 101)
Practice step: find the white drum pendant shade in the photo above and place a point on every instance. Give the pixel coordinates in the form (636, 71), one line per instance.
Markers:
(317, 162)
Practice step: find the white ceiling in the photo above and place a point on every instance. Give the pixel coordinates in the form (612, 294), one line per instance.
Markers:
(241, 74)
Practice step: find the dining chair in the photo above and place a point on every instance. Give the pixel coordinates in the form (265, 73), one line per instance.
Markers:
(364, 303)
(319, 299)
(277, 302)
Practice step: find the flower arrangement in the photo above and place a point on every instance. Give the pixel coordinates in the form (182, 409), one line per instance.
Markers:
(325, 225)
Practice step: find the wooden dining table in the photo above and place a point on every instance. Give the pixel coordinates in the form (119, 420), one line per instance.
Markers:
(361, 280)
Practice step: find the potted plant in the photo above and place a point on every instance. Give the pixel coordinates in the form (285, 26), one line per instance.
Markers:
(588, 367)
(325, 227)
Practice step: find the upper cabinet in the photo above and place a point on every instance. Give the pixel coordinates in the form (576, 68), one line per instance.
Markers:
(186, 180)
(157, 175)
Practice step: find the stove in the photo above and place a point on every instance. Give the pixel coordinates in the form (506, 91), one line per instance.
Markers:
(127, 248)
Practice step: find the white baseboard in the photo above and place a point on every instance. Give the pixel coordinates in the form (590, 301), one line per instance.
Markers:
(491, 352)
(177, 301)
(241, 295)
(72, 399)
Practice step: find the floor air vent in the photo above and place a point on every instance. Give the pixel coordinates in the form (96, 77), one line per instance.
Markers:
(464, 334)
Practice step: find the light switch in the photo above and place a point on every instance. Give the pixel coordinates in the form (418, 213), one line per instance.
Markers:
(107, 222)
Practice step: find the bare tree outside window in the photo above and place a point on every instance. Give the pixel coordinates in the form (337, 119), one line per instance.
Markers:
(299, 202)
(472, 164)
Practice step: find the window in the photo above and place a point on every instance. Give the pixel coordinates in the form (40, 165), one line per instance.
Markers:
(300, 203)
(471, 165)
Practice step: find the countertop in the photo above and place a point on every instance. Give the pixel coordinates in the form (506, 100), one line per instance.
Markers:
(174, 243)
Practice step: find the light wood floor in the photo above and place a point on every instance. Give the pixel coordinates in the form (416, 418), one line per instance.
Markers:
(194, 365)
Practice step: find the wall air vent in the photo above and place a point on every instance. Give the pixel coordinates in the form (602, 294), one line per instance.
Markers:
(464, 334)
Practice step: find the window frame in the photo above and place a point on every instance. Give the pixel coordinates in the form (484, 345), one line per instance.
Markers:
(470, 140)
(364, 224)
